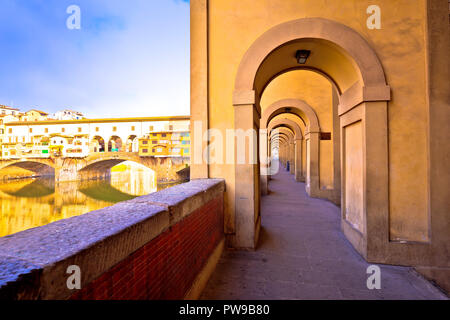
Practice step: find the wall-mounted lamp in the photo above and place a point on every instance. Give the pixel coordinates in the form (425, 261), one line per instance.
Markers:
(302, 56)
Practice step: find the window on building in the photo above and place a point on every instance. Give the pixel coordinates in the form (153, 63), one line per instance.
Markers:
(153, 150)
(186, 150)
(154, 142)
(145, 150)
(159, 149)
(144, 142)
(163, 135)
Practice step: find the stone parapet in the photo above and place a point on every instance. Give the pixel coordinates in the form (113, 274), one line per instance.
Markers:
(151, 247)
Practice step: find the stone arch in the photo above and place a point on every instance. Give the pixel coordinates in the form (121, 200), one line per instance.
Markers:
(115, 143)
(301, 108)
(98, 144)
(294, 127)
(371, 73)
(131, 143)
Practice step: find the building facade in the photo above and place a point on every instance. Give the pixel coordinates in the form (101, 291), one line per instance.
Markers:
(67, 115)
(78, 138)
(34, 115)
(166, 143)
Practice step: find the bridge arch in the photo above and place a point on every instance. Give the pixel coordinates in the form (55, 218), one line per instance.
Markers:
(41, 167)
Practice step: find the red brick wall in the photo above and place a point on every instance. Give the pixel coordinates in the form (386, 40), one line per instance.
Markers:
(166, 267)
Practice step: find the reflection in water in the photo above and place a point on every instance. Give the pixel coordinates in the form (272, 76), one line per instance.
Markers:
(30, 203)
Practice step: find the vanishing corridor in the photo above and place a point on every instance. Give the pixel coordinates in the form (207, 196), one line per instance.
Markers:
(302, 254)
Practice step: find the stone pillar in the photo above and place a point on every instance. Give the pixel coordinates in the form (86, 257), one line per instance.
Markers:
(283, 161)
(312, 178)
(199, 87)
(247, 182)
(292, 157)
(298, 160)
(265, 162)
(365, 180)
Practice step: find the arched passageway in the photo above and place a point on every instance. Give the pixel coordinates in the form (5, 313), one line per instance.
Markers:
(132, 144)
(97, 144)
(115, 144)
(345, 59)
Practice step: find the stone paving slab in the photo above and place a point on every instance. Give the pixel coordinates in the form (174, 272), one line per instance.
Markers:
(302, 254)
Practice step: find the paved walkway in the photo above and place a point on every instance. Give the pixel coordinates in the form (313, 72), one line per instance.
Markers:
(302, 254)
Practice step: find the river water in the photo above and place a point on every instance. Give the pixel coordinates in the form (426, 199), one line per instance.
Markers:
(29, 203)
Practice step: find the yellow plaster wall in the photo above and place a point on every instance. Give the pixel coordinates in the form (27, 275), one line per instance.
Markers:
(353, 167)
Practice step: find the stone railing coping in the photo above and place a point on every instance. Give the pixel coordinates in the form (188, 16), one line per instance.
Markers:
(105, 236)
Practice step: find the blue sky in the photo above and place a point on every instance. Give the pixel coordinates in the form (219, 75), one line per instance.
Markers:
(130, 57)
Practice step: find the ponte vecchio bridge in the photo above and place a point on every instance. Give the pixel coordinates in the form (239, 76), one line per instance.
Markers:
(89, 148)
(98, 166)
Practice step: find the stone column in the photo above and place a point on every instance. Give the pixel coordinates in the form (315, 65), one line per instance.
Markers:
(292, 157)
(247, 182)
(199, 87)
(265, 162)
(312, 179)
(298, 160)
